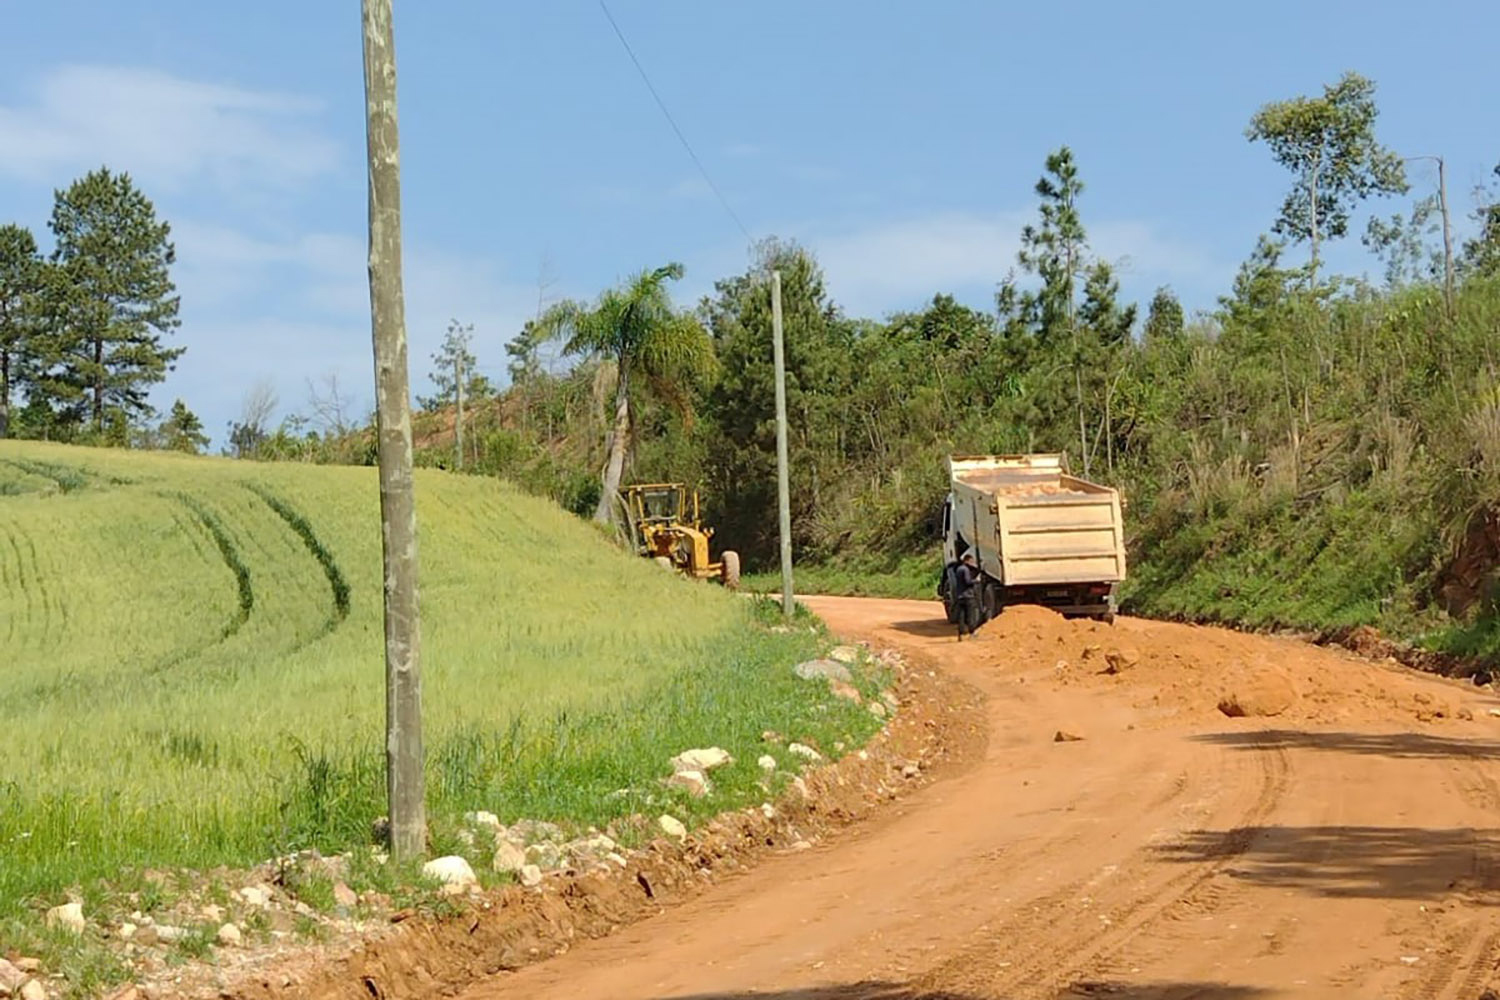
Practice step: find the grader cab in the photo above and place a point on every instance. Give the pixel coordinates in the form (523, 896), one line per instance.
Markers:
(665, 525)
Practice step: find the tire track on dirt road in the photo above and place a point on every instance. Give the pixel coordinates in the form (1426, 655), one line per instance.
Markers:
(1070, 941)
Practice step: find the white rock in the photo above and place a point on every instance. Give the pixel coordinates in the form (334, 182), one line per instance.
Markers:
(229, 936)
(890, 699)
(877, 709)
(466, 837)
(844, 654)
(800, 786)
(213, 913)
(545, 855)
(33, 990)
(450, 870)
(805, 752)
(672, 827)
(704, 759)
(693, 781)
(167, 934)
(126, 931)
(11, 978)
(68, 916)
(767, 810)
(531, 876)
(767, 762)
(256, 895)
(617, 858)
(825, 669)
(509, 857)
(482, 818)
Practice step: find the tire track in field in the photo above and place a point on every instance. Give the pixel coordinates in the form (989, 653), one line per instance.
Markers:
(230, 554)
(303, 529)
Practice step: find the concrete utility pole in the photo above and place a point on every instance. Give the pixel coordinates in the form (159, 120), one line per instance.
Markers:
(783, 477)
(398, 513)
(458, 424)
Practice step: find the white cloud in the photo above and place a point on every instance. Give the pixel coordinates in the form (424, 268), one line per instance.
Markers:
(297, 307)
(163, 128)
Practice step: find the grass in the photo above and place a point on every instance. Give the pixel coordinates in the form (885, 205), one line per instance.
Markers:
(191, 667)
(905, 576)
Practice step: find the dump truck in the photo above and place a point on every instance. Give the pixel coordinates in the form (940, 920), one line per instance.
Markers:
(1038, 534)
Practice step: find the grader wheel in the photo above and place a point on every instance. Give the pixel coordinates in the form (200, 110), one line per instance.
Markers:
(731, 572)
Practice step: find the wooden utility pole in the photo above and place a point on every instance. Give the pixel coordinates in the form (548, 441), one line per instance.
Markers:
(458, 424)
(398, 514)
(783, 475)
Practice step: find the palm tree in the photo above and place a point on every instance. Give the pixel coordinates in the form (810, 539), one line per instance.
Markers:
(636, 326)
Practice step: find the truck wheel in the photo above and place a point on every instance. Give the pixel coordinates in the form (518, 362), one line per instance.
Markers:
(731, 572)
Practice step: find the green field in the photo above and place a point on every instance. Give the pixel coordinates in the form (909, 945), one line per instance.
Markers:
(191, 665)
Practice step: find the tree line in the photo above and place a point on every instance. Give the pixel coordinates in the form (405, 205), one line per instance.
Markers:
(1258, 441)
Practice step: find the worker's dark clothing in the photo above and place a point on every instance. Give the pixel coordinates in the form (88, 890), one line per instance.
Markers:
(966, 592)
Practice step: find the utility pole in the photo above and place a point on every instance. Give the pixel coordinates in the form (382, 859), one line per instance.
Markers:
(1447, 236)
(458, 424)
(783, 477)
(398, 513)
(1447, 229)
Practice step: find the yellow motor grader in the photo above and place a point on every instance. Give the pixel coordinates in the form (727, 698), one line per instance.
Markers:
(665, 526)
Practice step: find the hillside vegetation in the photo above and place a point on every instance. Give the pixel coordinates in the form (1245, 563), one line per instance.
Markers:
(193, 669)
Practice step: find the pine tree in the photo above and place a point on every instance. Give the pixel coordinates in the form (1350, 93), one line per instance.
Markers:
(20, 282)
(1164, 318)
(183, 431)
(110, 297)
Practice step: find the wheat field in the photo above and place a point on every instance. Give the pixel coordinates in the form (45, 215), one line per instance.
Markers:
(191, 664)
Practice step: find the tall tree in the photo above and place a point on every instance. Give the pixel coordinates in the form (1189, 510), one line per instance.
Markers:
(1056, 248)
(1329, 143)
(455, 355)
(1164, 317)
(111, 297)
(182, 430)
(637, 327)
(20, 282)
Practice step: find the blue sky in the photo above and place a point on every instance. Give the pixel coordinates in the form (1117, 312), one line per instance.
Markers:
(898, 141)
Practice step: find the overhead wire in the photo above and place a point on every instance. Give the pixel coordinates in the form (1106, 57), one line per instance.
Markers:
(673, 122)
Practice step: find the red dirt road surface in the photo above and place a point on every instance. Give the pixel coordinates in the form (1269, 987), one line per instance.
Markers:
(1137, 825)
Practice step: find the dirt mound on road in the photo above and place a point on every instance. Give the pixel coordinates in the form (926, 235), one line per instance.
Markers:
(1186, 670)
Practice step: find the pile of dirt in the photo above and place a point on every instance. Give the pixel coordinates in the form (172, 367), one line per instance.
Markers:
(1180, 671)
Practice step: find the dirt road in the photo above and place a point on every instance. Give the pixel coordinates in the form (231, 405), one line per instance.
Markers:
(1345, 846)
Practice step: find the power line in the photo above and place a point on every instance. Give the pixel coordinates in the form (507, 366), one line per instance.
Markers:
(673, 122)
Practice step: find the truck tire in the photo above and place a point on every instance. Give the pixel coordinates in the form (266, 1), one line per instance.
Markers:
(951, 606)
(731, 572)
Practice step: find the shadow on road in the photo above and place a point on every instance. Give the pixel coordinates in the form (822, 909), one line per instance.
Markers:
(928, 628)
(1078, 991)
(1374, 862)
(1413, 745)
